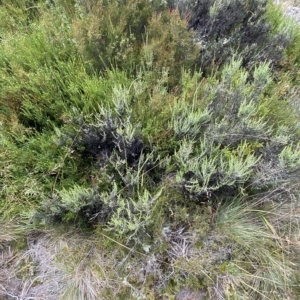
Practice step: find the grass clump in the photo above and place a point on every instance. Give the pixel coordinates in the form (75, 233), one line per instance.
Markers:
(138, 160)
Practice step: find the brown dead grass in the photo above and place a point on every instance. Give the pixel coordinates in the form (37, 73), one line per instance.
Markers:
(56, 265)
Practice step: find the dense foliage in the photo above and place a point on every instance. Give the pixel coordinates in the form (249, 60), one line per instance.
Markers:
(226, 27)
(167, 132)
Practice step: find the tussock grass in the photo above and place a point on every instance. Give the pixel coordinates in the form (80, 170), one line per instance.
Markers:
(263, 266)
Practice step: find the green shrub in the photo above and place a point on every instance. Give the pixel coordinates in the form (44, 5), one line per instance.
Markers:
(36, 66)
(169, 46)
(109, 34)
(188, 177)
(123, 169)
(209, 169)
(224, 28)
(124, 36)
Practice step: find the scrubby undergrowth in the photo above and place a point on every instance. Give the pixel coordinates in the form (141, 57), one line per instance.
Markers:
(149, 150)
